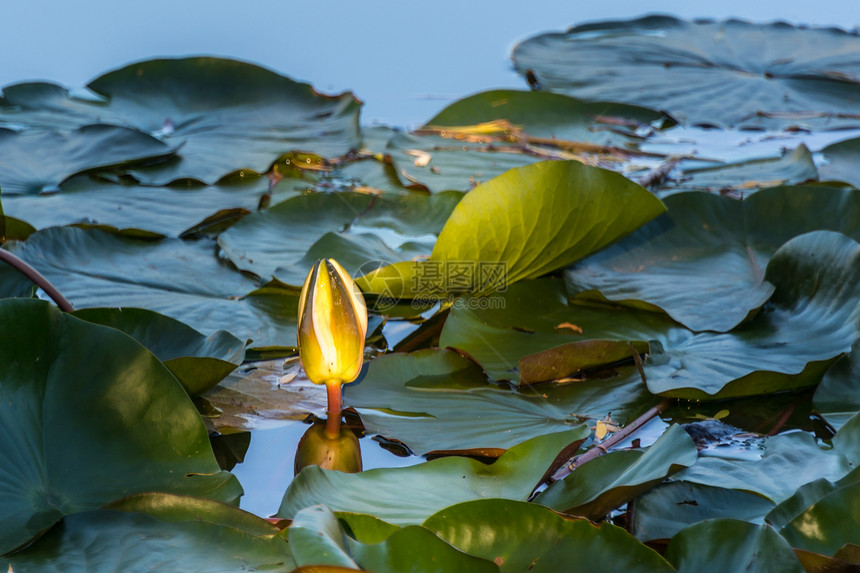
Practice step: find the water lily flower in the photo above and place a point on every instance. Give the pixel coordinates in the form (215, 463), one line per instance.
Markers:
(331, 331)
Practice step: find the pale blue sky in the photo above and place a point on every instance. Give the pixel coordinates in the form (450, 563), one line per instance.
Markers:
(405, 59)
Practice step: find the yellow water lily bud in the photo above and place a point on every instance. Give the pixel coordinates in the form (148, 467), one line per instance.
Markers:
(332, 325)
(317, 448)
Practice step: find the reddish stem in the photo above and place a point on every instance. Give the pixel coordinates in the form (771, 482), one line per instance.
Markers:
(37, 278)
(332, 423)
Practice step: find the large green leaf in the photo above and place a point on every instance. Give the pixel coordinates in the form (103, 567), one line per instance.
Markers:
(411, 494)
(723, 545)
(807, 496)
(521, 536)
(37, 161)
(228, 115)
(318, 538)
(730, 73)
(609, 481)
(715, 249)
(354, 228)
(483, 135)
(670, 507)
(88, 415)
(168, 211)
(542, 217)
(181, 279)
(118, 542)
(522, 224)
(198, 362)
(829, 524)
(437, 400)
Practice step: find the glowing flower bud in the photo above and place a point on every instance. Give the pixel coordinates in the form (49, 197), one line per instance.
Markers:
(332, 325)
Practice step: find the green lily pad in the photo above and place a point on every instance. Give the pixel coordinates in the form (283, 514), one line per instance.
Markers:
(137, 543)
(318, 538)
(796, 458)
(521, 536)
(522, 224)
(180, 279)
(37, 161)
(832, 522)
(199, 362)
(411, 494)
(89, 416)
(715, 249)
(837, 397)
(611, 480)
(354, 228)
(840, 162)
(727, 73)
(670, 507)
(807, 496)
(745, 177)
(435, 399)
(731, 545)
(166, 211)
(483, 135)
(227, 115)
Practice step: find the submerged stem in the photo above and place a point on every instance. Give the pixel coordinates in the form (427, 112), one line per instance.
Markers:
(332, 422)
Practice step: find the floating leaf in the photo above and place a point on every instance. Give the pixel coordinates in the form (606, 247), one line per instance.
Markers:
(611, 480)
(729, 73)
(357, 229)
(731, 545)
(411, 494)
(181, 279)
(495, 529)
(832, 522)
(136, 543)
(437, 400)
(840, 162)
(207, 105)
(38, 161)
(744, 178)
(670, 507)
(167, 211)
(715, 249)
(88, 416)
(198, 362)
(317, 538)
(575, 357)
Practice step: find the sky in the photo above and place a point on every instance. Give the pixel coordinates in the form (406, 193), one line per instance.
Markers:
(406, 60)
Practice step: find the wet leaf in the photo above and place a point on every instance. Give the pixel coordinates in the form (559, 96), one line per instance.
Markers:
(38, 161)
(205, 104)
(437, 400)
(89, 416)
(731, 545)
(180, 279)
(575, 357)
(611, 480)
(411, 494)
(494, 529)
(670, 507)
(359, 230)
(727, 73)
(167, 211)
(138, 543)
(840, 162)
(198, 362)
(837, 397)
(715, 250)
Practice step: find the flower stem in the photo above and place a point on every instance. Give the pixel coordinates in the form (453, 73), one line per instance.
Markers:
(37, 278)
(332, 423)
